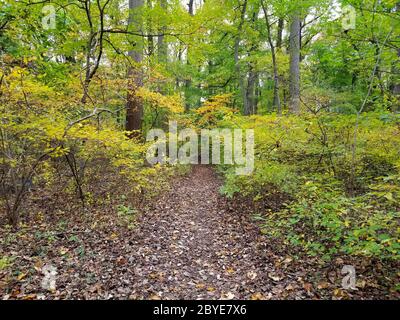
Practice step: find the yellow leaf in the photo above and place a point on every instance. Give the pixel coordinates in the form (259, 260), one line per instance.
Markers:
(200, 285)
(63, 250)
(230, 270)
(257, 296)
(21, 276)
(323, 285)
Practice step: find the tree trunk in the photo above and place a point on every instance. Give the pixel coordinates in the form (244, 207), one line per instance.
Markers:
(134, 108)
(236, 56)
(277, 100)
(281, 24)
(162, 46)
(294, 77)
(396, 71)
(396, 86)
(256, 93)
(250, 92)
(188, 82)
(150, 37)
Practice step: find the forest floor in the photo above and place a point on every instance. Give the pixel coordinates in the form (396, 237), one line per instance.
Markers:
(191, 243)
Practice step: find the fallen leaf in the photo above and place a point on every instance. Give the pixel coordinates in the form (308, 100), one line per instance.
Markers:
(361, 283)
(323, 285)
(21, 276)
(121, 261)
(338, 293)
(228, 296)
(38, 267)
(289, 287)
(113, 236)
(274, 277)
(287, 260)
(308, 287)
(257, 296)
(63, 251)
(230, 270)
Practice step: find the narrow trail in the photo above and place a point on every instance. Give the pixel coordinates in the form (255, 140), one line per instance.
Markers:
(189, 246)
(190, 243)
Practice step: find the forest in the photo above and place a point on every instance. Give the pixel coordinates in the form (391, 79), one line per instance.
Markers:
(89, 88)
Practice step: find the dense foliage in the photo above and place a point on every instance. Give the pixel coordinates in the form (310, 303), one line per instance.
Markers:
(332, 203)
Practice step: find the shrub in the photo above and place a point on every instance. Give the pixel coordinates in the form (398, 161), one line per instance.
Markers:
(341, 197)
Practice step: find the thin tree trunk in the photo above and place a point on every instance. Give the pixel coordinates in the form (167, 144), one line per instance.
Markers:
(150, 37)
(236, 56)
(396, 70)
(277, 100)
(188, 82)
(162, 49)
(250, 92)
(162, 46)
(396, 86)
(281, 24)
(294, 77)
(95, 40)
(134, 108)
(256, 93)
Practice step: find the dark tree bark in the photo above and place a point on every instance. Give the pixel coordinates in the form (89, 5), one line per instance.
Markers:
(236, 56)
(150, 37)
(188, 81)
(396, 70)
(294, 76)
(134, 108)
(256, 93)
(190, 7)
(396, 86)
(95, 43)
(162, 46)
(279, 37)
(277, 101)
(250, 91)
(249, 98)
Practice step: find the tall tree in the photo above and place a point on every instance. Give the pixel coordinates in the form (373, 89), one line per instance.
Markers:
(95, 44)
(252, 82)
(162, 46)
(294, 73)
(277, 101)
(242, 84)
(396, 69)
(134, 107)
(188, 81)
(279, 38)
(149, 27)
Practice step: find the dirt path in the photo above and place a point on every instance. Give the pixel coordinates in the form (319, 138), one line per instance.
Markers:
(190, 247)
(189, 244)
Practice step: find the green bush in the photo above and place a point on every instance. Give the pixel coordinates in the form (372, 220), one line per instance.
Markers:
(266, 178)
(344, 197)
(324, 221)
